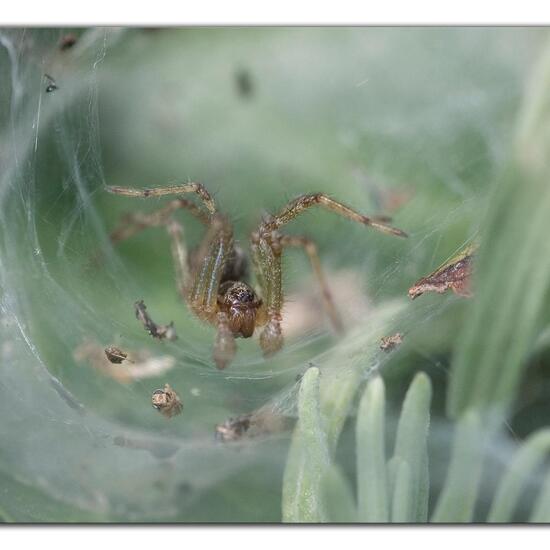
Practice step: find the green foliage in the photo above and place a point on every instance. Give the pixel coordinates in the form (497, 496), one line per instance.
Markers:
(372, 482)
(501, 327)
(514, 268)
(324, 401)
(308, 457)
(397, 491)
(457, 500)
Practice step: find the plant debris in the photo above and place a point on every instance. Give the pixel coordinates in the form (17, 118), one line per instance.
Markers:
(161, 332)
(261, 422)
(67, 42)
(52, 86)
(233, 428)
(142, 364)
(454, 274)
(166, 401)
(389, 343)
(116, 355)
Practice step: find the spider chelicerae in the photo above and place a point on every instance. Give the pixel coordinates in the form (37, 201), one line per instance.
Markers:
(213, 279)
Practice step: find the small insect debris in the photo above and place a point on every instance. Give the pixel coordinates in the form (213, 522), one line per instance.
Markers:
(52, 86)
(161, 332)
(67, 42)
(263, 421)
(233, 429)
(454, 274)
(116, 355)
(141, 365)
(166, 401)
(389, 343)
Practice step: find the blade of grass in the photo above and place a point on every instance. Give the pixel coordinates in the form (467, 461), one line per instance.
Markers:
(372, 483)
(308, 457)
(541, 509)
(514, 266)
(457, 499)
(530, 455)
(343, 368)
(402, 500)
(411, 444)
(338, 497)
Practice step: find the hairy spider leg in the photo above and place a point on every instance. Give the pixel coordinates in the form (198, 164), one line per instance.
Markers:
(182, 189)
(267, 245)
(224, 346)
(266, 259)
(200, 287)
(214, 251)
(208, 267)
(298, 205)
(137, 222)
(311, 250)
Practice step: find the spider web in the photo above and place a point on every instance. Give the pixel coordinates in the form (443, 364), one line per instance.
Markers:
(397, 121)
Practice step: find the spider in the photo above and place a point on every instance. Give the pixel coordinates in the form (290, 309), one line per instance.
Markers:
(213, 279)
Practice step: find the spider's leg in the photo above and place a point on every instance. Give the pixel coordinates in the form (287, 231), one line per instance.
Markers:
(182, 189)
(179, 256)
(209, 263)
(266, 256)
(134, 223)
(311, 250)
(224, 348)
(299, 205)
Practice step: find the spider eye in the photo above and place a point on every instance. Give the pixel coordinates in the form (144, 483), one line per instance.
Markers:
(240, 294)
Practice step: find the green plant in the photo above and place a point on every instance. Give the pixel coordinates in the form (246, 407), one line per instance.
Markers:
(396, 490)
(501, 327)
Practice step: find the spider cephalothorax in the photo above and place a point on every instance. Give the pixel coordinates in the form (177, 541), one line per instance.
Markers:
(213, 279)
(239, 301)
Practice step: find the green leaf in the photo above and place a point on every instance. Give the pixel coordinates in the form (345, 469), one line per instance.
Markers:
(513, 268)
(411, 445)
(541, 508)
(308, 457)
(457, 500)
(338, 497)
(402, 500)
(342, 371)
(530, 455)
(372, 481)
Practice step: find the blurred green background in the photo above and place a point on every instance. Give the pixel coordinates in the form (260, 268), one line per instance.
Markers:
(417, 123)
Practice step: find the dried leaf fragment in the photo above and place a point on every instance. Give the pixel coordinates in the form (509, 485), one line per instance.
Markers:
(166, 401)
(116, 355)
(161, 332)
(454, 274)
(389, 343)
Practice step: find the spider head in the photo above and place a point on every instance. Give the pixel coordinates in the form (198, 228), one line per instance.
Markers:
(241, 304)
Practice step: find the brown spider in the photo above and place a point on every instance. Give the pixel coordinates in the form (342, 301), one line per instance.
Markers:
(213, 279)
